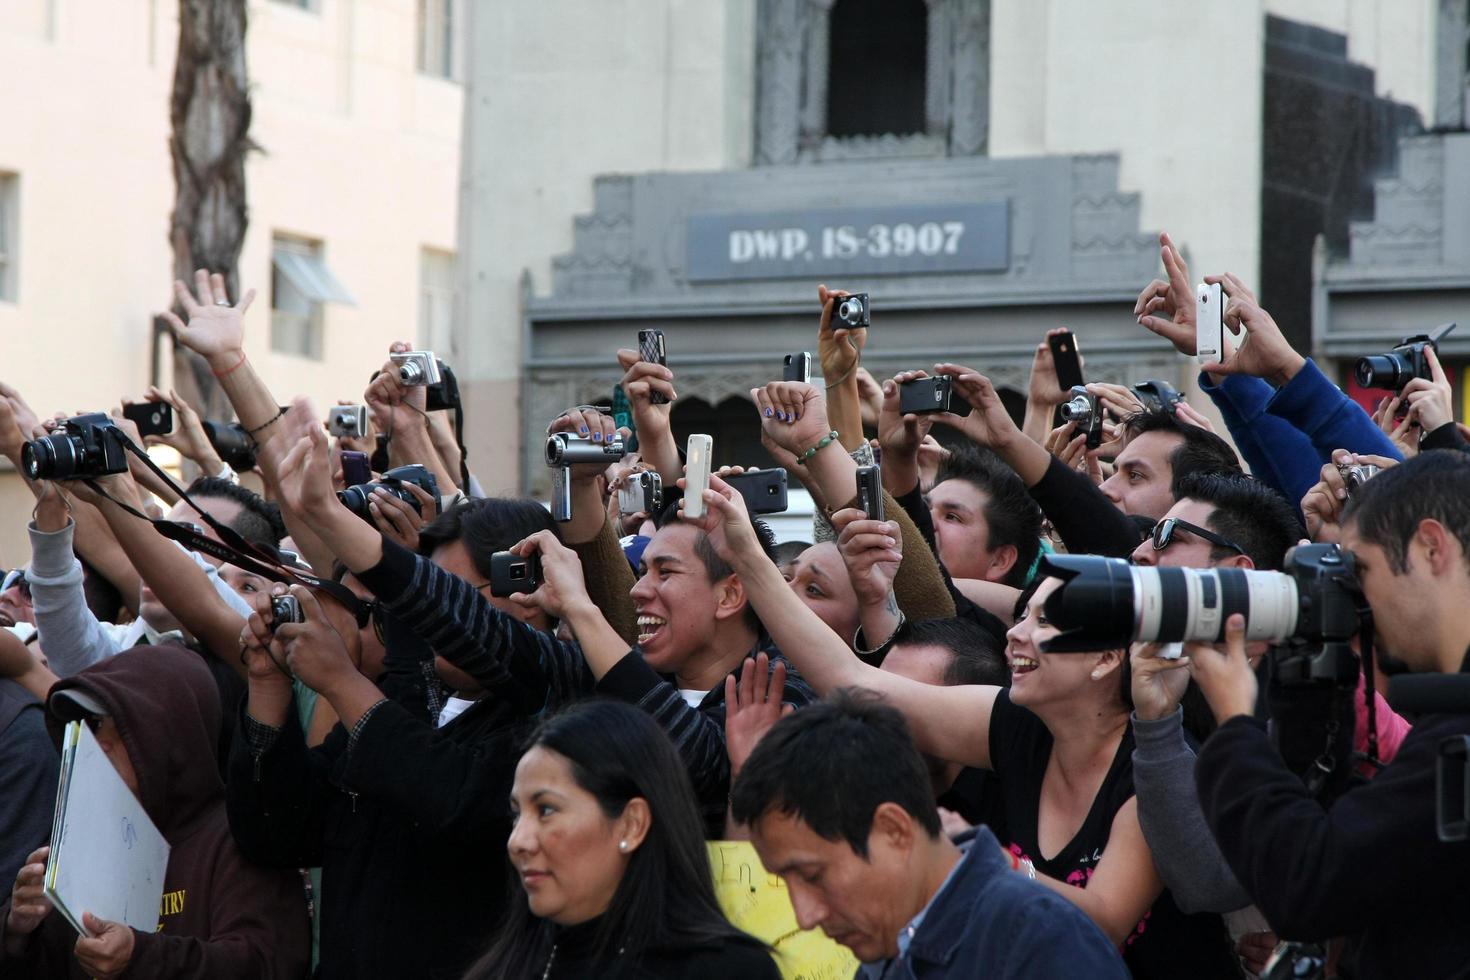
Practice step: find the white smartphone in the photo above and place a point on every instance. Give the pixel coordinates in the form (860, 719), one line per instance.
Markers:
(1209, 322)
(696, 475)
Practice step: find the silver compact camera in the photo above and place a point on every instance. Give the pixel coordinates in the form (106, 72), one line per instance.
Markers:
(417, 368)
(285, 609)
(564, 451)
(1355, 475)
(642, 493)
(347, 420)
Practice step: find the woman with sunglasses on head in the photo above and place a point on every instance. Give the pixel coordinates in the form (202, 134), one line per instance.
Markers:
(1059, 738)
(608, 850)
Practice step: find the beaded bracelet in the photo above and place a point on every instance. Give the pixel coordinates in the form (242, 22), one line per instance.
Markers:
(822, 443)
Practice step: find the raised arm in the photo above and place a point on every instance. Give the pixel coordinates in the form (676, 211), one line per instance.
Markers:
(840, 351)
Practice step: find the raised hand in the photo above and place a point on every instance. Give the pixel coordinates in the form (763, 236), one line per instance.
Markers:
(393, 406)
(1323, 504)
(1431, 400)
(305, 479)
(1166, 306)
(752, 707)
(871, 550)
(726, 522)
(988, 423)
(1044, 388)
(641, 380)
(839, 351)
(397, 520)
(1224, 673)
(1264, 353)
(1401, 431)
(215, 329)
(563, 587)
(1158, 682)
(188, 436)
(793, 415)
(315, 652)
(1121, 401)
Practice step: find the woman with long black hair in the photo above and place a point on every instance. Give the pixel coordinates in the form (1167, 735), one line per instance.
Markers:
(612, 878)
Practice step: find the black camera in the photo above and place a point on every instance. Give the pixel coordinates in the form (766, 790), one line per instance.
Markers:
(510, 573)
(285, 609)
(927, 395)
(1309, 610)
(86, 446)
(394, 482)
(1158, 396)
(233, 444)
(764, 491)
(1083, 410)
(564, 451)
(1401, 365)
(852, 312)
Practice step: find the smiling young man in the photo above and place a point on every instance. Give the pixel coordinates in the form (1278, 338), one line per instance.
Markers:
(840, 806)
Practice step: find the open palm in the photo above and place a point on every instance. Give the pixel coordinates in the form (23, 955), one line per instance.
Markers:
(214, 327)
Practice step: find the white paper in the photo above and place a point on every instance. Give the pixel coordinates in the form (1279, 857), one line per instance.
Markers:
(107, 857)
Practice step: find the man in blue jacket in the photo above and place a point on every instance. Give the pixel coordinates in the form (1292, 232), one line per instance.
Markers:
(840, 806)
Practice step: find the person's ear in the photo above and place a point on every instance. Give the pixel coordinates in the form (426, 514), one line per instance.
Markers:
(730, 597)
(633, 825)
(894, 828)
(1437, 545)
(1107, 662)
(1002, 560)
(1238, 561)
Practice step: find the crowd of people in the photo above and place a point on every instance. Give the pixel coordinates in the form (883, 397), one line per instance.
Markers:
(415, 730)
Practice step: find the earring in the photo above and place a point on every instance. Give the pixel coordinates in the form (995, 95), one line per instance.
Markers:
(622, 845)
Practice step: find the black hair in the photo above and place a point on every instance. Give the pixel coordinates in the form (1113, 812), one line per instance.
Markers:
(1010, 513)
(1202, 451)
(788, 551)
(714, 566)
(486, 525)
(976, 657)
(666, 896)
(1125, 668)
(259, 521)
(831, 765)
(1248, 512)
(1434, 485)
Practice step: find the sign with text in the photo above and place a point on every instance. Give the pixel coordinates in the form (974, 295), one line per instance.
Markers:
(916, 238)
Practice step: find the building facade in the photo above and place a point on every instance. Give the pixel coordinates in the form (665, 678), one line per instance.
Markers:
(700, 167)
(352, 196)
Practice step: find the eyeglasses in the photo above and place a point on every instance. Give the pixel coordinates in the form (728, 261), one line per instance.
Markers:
(16, 578)
(1163, 534)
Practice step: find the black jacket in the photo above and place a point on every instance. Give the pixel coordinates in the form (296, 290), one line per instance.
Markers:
(1370, 868)
(407, 822)
(1084, 518)
(28, 767)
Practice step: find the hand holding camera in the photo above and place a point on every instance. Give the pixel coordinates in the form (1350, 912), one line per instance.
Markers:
(1166, 307)
(391, 512)
(1158, 682)
(305, 480)
(1264, 352)
(216, 330)
(1044, 387)
(588, 424)
(187, 436)
(726, 523)
(872, 550)
(1430, 400)
(1223, 672)
(988, 424)
(841, 334)
(315, 652)
(1323, 503)
(398, 406)
(554, 582)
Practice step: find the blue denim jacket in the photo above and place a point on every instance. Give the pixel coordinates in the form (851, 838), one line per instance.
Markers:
(991, 922)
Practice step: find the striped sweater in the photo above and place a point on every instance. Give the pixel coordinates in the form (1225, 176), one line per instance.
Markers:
(533, 671)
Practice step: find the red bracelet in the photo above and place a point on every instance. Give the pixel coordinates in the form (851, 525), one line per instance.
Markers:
(229, 370)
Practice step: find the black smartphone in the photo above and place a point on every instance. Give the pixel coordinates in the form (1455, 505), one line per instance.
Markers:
(151, 418)
(928, 395)
(1064, 356)
(797, 367)
(870, 491)
(651, 349)
(355, 468)
(764, 490)
(510, 573)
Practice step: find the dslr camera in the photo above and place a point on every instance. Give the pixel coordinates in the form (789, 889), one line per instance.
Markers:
(852, 312)
(86, 446)
(417, 368)
(1309, 611)
(1401, 365)
(394, 482)
(641, 493)
(286, 609)
(1083, 410)
(232, 442)
(347, 420)
(1158, 396)
(564, 451)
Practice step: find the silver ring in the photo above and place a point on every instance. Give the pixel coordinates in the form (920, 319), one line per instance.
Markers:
(221, 302)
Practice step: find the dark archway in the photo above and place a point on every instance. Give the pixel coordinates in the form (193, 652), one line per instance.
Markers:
(877, 66)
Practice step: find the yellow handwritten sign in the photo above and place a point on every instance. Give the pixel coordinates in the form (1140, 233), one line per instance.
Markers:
(757, 902)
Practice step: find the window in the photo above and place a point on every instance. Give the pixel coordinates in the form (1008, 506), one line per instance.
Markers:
(436, 301)
(436, 24)
(9, 235)
(301, 286)
(876, 67)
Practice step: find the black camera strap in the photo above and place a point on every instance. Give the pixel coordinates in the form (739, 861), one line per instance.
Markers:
(1365, 646)
(231, 547)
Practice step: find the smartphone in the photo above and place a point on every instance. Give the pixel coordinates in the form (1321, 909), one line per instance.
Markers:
(651, 349)
(797, 367)
(151, 418)
(1064, 356)
(1209, 322)
(355, 468)
(696, 475)
(870, 491)
(510, 573)
(765, 491)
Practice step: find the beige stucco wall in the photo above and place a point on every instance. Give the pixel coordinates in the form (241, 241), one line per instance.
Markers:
(357, 150)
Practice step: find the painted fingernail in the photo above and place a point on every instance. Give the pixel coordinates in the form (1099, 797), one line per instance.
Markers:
(597, 437)
(584, 430)
(769, 413)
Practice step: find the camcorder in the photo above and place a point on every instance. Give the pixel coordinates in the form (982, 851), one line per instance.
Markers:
(286, 609)
(232, 443)
(394, 482)
(1401, 365)
(1083, 410)
(1309, 611)
(641, 493)
(564, 451)
(1158, 396)
(347, 420)
(84, 447)
(928, 395)
(852, 312)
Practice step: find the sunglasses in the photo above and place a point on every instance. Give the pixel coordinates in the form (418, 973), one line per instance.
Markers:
(16, 578)
(1163, 534)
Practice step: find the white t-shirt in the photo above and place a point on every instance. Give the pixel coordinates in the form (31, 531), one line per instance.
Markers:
(453, 708)
(693, 698)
